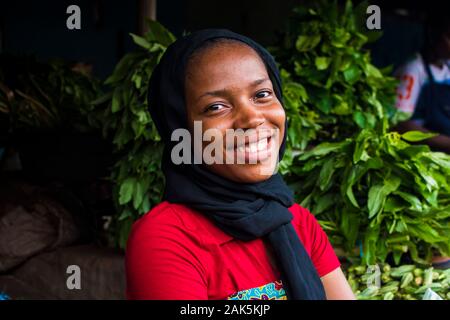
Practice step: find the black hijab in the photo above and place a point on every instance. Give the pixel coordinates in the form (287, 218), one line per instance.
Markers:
(244, 211)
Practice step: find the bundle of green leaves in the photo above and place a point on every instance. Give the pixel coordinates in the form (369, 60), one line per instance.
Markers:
(380, 189)
(363, 182)
(136, 175)
(330, 86)
(44, 96)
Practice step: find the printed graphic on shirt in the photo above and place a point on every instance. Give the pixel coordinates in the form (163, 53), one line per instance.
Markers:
(413, 76)
(271, 291)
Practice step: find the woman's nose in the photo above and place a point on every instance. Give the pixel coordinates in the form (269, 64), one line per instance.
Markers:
(248, 116)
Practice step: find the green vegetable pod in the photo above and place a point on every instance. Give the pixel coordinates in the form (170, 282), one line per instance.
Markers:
(391, 288)
(385, 277)
(406, 279)
(400, 271)
(437, 287)
(410, 290)
(359, 270)
(428, 277)
(418, 272)
(386, 268)
(353, 284)
(369, 292)
(388, 296)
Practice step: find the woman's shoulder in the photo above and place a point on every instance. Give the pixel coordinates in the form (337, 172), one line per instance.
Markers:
(168, 214)
(301, 216)
(306, 225)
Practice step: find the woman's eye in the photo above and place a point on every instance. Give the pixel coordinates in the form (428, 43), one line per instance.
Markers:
(215, 107)
(263, 94)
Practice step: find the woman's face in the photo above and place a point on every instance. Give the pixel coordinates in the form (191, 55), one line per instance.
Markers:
(227, 87)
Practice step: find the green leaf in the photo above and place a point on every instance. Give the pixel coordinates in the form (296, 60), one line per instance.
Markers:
(324, 104)
(326, 173)
(360, 153)
(322, 63)
(379, 192)
(145, 206)
(126, 190)
(372, 71)
(414, 136)
(352, 74)
(126, 213)
(323, 203)
(350, 227)
(305, 43)
(138, 194)
(411, 199)
(425, 232)
(393, 204)
(439, 158)
(376, 199)
(370, 119)
(124, 232)
(369, 245)
(355, 174)
(324, 148)
(141, 41)
(116, 101)
(359, 119)
(158, 33)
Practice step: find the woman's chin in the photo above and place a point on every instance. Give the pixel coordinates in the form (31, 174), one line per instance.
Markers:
(244, 173)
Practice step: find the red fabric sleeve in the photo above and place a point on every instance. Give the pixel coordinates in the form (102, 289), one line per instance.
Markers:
(321, 251)
(160, 260)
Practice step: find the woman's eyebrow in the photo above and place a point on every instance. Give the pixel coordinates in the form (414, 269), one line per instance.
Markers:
(222, 92)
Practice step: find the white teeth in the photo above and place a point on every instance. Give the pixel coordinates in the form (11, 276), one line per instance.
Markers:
(262, 144)
(253, 146)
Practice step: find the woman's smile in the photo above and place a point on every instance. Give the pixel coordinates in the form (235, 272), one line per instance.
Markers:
(255, 148)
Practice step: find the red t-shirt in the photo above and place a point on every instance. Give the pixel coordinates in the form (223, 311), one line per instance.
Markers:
(176, 253)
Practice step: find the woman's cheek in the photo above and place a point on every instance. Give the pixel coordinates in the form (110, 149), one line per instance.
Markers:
(277, 116)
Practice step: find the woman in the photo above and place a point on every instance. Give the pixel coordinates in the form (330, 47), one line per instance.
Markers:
(226, 230)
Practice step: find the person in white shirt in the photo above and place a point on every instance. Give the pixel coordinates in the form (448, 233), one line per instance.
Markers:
(424, 90)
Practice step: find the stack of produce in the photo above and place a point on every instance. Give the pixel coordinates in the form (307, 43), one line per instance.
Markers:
(406, 282)
(45, 96)
(126, 121)
(366, 183)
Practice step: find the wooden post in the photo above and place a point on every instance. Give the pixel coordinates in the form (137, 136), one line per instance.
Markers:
(146, 10)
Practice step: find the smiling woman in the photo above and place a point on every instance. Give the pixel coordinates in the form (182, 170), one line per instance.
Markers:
(226, 230)
(235, 94)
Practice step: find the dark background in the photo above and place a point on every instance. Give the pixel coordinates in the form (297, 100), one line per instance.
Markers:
(39, 27)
